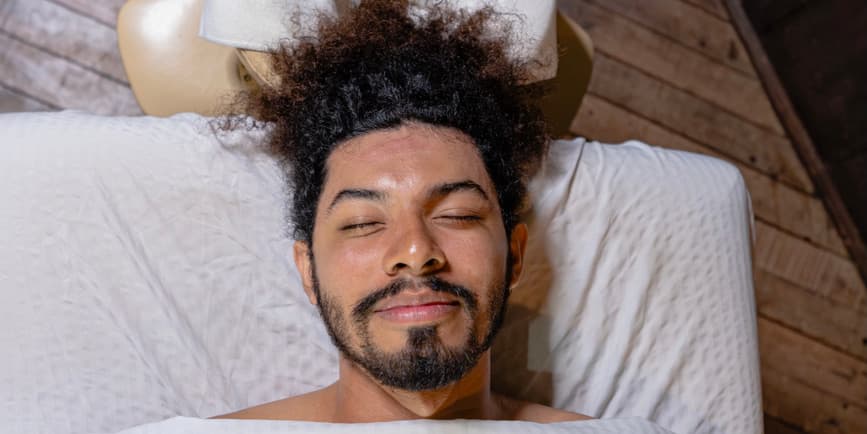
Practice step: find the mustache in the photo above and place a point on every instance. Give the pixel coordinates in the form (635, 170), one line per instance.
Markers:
(364, 308)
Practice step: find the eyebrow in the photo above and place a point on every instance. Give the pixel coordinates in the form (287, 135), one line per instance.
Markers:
(437, 191)
(356, 193)
(452, 187)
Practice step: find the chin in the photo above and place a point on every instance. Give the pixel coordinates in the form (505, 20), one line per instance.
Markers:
(452, 335)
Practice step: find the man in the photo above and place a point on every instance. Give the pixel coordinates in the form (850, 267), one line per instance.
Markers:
(407, 139)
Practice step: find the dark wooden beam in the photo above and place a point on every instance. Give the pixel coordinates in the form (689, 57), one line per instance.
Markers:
(800, 138)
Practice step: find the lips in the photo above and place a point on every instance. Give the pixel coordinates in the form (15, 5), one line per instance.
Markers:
(415, 299)
(419, 307)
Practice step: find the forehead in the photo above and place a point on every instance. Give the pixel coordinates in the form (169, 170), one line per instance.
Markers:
(406, 158)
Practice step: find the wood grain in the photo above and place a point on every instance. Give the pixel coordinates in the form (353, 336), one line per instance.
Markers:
(678, 66)
(688, 25)
(698, 120)
(714, 7)
(60, 82)
(794, 211)
(799, 262)
(813, 364)
(64, 33)
(836, 325)
(12, 101)
(773, 202)
(788, 399)
(104, 11)
(777, 426)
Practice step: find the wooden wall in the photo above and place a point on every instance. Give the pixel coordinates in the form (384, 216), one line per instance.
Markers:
(62, 54)
(812, 55)
(672, 73)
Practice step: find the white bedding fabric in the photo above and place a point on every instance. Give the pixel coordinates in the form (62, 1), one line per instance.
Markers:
(186, 425)
(145, 273)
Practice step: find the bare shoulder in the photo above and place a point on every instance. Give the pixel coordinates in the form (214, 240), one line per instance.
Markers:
(307, 407)
(532, 412)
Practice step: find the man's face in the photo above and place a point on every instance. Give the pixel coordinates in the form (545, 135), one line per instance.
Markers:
(410, 263)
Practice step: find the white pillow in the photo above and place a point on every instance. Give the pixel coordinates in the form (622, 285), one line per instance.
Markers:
(146, 273)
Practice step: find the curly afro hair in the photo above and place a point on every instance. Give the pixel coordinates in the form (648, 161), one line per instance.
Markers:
(382, 65)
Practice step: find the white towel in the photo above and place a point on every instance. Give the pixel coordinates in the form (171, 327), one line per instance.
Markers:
(186, 425)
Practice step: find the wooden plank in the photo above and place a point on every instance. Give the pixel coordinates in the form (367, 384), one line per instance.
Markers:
(714, 7)
(12, 101)
(849, 232)
(61, 83)
(776, 426)
(64, 33)
(675, 64)
(802, 263)
(688, 25)
(698, 120)
(834, 324)
(104, 11)
(773, 202)
(793, 211)
(812, 363)
(812, 410)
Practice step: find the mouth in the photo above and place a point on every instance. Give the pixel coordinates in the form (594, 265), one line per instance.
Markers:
(415, 301)
(417, 311)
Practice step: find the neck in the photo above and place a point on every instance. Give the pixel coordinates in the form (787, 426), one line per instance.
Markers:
(360, 398)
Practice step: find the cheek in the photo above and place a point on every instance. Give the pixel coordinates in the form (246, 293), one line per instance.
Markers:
(481, 260)
(346, 268)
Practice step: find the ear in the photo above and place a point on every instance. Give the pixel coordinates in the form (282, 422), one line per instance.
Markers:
(517, 246)
(305, 269)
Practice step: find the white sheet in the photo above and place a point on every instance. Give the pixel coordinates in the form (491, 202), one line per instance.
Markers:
(185, 425)
(145, 274)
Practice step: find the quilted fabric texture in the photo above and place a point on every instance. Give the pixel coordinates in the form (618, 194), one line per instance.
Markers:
(146, 273)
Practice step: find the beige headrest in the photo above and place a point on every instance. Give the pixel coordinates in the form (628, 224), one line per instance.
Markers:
(171, 69)
(262, 25)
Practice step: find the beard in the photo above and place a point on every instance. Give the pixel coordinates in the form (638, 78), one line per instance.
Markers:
(425, 362)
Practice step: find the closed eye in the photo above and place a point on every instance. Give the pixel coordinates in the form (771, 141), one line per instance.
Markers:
(358, 226)
(462, 220)
(462, 217)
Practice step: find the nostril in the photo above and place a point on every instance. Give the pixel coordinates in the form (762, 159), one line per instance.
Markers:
(432, 263)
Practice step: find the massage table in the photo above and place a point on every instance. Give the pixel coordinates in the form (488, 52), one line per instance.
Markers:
(146, 277)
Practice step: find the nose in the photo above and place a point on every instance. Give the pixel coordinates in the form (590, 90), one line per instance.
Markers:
(413, 251)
